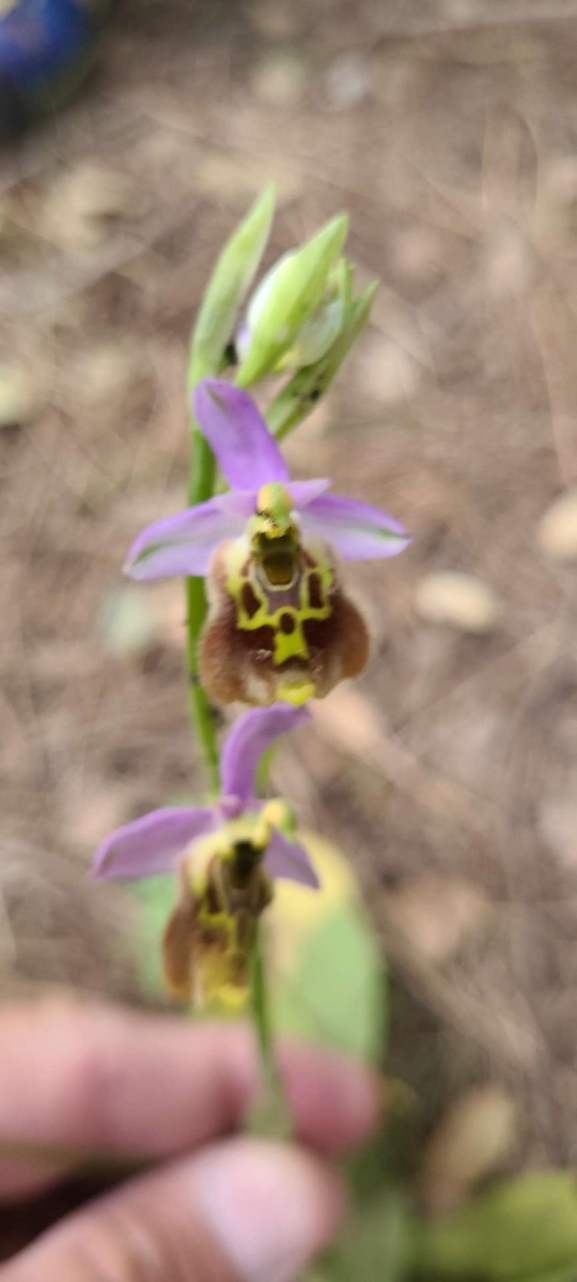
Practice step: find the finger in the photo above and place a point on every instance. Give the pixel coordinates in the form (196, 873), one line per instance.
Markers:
(335, 1101)
(99, 1079)
(243, 1209)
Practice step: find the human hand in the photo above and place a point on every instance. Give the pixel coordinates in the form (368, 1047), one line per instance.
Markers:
(218, 1207)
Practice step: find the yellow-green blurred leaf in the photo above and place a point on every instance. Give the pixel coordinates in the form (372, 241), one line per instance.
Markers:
(336, 993)
(326, 967)
(522, 1230)
(375, 1244)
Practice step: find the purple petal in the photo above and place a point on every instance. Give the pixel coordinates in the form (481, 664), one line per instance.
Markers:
(303, 492)
(153, 843)
(243, 503)
(290, 860)
(356, 531)
(250, 736)
(240, 503)
(238, 435)
(185, 543)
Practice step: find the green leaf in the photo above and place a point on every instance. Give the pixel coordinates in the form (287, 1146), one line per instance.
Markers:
(523, 1230)
(229, 284)
(157, 897)
(298, 287)
(375, 1245)
(337, 993)
(308, 386)
(567, 1274)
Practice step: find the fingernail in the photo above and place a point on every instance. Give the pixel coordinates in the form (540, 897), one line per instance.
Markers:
(269, 1208)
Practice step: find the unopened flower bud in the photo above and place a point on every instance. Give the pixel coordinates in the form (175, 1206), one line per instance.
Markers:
(228, 286)
(317, 333)
(299, 291)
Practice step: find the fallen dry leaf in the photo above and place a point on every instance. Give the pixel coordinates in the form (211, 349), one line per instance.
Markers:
(19, 400)
(557, 529)
(237, 177)
(436, 915)
(347, 81)
(386, 372)
(473, 1139)
(105, 371)
(348, 718)
(461, 600)
(279, 80)
(80, 204)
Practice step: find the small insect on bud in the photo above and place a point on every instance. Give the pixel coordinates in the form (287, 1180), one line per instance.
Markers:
(210, 936)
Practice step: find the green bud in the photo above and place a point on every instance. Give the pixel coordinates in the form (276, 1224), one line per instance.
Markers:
(231, 279)
(344, 275)
(287, 298)
(308, 385)
(523, 1230)
(320, 329)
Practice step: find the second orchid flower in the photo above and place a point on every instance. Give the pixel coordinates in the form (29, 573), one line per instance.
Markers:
(226, 856)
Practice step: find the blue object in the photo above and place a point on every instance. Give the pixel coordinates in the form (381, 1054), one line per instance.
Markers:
(43, 47)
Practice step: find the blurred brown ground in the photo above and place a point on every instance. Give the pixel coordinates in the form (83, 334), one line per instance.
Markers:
(447, 773)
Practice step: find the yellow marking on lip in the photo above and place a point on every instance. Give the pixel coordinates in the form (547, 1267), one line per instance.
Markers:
(287, 645)
(295, 692)
(290, 645)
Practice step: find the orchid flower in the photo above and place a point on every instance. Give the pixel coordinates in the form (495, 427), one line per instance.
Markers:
(226, 855)
(157, 842)
(280, 625)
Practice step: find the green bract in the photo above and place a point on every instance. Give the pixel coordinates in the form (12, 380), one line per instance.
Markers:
(228, 287)
(309, 384)
(291, 296)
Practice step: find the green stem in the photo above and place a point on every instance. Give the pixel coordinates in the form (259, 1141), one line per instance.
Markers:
(202, 481)
(200, 708)
(261, 1016)
(270, 1116)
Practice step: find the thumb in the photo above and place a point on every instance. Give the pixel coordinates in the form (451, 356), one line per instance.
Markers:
(242, 1209)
